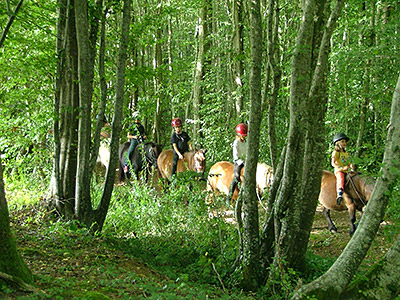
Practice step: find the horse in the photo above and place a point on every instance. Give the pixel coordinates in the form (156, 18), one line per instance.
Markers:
(104, 153)
(194, 160)
(221, 174)
(150, 150)
(357, 192)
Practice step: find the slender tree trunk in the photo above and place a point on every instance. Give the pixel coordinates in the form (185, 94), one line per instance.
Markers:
(238, 54)
(251, 245)
(83, 207)
(272, 68)
(102, 210)
(201, 66)
(334, 281)
(158, 81)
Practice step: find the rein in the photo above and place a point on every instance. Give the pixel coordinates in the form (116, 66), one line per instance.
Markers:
(355, 189)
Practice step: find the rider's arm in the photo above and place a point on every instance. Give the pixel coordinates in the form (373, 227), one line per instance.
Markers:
(177, 151)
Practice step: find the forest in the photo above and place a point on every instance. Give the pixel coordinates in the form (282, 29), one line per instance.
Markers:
(76, 74)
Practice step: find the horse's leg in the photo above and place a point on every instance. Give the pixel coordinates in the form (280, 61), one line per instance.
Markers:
(327, 214)
(352, 214)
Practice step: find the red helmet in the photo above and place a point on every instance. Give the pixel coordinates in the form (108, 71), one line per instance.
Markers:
(241, 129)
(176, 122)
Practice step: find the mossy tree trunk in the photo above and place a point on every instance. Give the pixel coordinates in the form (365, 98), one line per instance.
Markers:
(11, 262)
(251, 244)
(334, 282)
(288, 229)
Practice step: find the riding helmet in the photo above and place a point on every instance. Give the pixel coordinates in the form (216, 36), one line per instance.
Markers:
(340, 136)
(241, 129)
(176, 122)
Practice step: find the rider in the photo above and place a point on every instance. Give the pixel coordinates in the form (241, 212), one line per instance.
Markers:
(136, 135)
(239, 155)
(340, 161)
(180, 142)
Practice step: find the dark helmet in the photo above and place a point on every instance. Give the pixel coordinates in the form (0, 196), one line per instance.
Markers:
(340, 136)
(176, 122)
(241, 129)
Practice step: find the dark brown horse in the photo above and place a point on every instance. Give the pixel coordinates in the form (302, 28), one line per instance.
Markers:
(221, 174)
(356, 195)
(144, 157)
(193, 161)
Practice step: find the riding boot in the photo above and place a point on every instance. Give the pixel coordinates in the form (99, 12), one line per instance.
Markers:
(231, 191)
(339, 198)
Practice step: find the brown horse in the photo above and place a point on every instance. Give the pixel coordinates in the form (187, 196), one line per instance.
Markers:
(356, 195)
(221, 174)
(193, 161)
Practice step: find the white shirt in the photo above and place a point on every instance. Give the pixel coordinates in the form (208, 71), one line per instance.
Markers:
(239, 151)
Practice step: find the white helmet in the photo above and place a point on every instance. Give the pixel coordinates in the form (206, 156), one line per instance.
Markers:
(135, 115)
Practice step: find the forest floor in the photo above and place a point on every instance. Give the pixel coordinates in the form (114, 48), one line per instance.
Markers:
(68, 265)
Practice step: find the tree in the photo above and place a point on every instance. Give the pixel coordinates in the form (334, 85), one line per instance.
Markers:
(73, 148)
(289, 224)
(251, 245)
(13, 270)
(201, 64)
(333, 283)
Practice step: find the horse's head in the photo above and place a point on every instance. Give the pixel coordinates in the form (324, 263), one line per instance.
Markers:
(199, 159)
(264, 177)
(359, 188)
(152, 151)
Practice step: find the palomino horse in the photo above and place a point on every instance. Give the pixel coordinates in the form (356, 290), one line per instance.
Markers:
(221, 174)
(143, 158)
(193, 161)
(104, 153)
(356, 195)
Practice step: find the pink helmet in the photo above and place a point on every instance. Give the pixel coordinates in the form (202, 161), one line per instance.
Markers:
(176, 122)
(241, 129)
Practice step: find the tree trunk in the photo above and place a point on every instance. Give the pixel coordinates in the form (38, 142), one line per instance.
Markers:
(102, 210)
(295, 203)
(273, 70)
(11, 262)
(238, 54)
(334, 281)
(66, 107)
(83, 206)
(382, 282)
(201, 66)
(251, 245)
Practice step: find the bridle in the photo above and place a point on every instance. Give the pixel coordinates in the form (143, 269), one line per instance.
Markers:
(355, 189)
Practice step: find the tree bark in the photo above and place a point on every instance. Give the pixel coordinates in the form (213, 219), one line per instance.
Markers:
(382, 282)
(334, 281)
(299, 184)
(201, 66)
(238, 54)
(83, 206)
(102, 210)
(251, 245)
(11, 262)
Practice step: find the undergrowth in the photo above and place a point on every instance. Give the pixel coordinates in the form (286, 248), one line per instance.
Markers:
(168, 244)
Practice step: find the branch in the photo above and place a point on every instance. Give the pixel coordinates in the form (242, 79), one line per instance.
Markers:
(10, 21)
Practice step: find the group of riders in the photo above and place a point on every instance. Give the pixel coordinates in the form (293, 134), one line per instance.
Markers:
(180, 142)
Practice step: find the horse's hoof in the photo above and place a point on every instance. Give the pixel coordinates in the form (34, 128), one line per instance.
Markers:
(334, 231)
